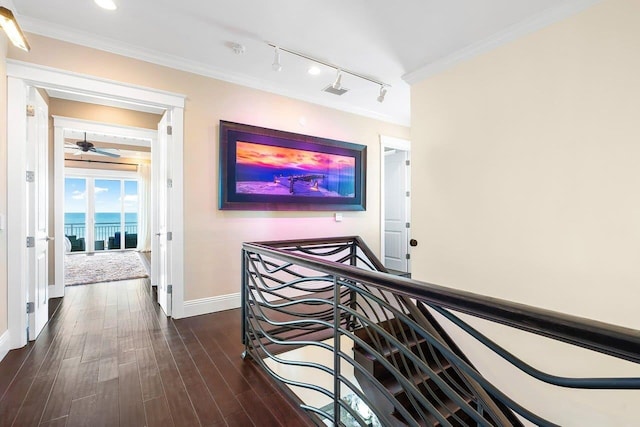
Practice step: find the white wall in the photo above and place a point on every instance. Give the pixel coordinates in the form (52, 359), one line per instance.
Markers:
(212, 237)
(528, 162)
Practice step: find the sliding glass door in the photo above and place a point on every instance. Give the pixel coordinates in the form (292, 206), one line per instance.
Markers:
(108, 214)
(75, 214)
(103, 211)
(130, 213)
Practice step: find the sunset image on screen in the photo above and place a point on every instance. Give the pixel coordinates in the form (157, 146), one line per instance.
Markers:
(265, 169)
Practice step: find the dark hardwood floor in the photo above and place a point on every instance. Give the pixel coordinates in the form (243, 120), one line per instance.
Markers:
(109, 357)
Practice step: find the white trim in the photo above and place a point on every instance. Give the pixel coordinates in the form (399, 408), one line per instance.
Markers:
(54, 292)
(4, 345)
(550, 16)
(142, 136)
(101, 173)
(21, 73)
(58, 210)
(177, 213)
(16, 212)
(61, 126)
(79, 97)
(200, 306)
(63, 33)
(396, 144)
(53, 78)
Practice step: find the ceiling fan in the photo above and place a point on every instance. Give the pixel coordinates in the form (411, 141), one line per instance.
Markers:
(85, 146)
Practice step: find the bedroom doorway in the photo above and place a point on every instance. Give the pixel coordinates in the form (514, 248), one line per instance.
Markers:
(87, 89)
(106, 200)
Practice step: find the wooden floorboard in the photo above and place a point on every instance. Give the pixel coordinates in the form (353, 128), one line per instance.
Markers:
(157, 411)
(109, 357)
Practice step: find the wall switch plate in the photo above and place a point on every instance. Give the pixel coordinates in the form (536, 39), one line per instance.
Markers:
(338, 216)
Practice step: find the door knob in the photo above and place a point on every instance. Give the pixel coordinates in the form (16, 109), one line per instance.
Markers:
(48, 238)
(413, 242)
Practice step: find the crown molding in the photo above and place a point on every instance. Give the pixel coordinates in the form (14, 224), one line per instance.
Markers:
(43, 28)
(550, 16)
(9, 5)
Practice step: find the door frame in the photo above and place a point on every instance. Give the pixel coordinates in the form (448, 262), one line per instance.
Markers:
(60, 125)
(98, 91)
(402, 145)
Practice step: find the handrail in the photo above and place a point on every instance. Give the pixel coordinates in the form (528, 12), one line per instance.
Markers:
(410, 370)
(605, 338)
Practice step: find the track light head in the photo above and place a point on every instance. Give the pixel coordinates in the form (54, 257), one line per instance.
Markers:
(338, 83)
(276, 66)
(383, 93)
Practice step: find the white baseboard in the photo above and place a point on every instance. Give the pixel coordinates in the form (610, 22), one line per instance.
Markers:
(53, 292)
(196, 307)
(4, 345)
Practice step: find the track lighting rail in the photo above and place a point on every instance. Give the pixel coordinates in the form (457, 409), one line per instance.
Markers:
(330, 65)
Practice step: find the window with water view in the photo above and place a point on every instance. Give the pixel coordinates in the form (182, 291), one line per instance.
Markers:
(103, 211)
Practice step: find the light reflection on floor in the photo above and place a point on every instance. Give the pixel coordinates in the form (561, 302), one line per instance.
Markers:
(318, 377)
(315, 376)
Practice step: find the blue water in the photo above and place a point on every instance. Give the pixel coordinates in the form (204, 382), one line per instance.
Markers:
(101, 218)
(107, 224)
(339, 181)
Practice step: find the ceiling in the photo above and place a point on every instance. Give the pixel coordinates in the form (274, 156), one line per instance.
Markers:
(126, 146)
(380, 39)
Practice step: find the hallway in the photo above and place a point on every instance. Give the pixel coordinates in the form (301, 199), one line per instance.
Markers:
(110, 357)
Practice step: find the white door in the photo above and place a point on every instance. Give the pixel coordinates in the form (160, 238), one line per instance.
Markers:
(396, 233)
(160, 245)
(37, 212)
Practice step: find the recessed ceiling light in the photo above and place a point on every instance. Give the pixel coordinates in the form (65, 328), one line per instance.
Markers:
(106, 4)
(313, 70)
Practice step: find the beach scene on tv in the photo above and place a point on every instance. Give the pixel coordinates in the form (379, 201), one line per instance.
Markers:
(281, 171)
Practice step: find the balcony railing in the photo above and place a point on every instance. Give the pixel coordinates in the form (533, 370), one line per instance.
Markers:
(387, 362)
(107, 235)
(102, 230)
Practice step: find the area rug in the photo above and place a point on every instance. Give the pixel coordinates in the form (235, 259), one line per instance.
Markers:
(108, 266)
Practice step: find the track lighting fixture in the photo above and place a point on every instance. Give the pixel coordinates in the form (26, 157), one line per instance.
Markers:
(383, 92)
(336, 87)
(277, 66)
(10, 26)
(337, 84)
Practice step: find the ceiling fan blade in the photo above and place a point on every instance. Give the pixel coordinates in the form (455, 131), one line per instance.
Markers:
(77, 151)
(105, 152)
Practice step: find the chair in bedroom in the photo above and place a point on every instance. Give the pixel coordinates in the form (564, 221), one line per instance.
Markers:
(77, 245)
(130, 241)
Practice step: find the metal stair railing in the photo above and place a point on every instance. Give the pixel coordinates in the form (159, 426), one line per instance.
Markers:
(378, 358)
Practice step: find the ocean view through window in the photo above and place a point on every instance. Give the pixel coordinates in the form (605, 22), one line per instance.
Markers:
(102, 211)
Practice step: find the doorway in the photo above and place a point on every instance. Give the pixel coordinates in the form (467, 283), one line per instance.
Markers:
(395, 204)
(105, 202)
(22, 76)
